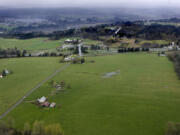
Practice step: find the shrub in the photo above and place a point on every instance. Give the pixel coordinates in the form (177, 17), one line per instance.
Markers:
(54, 129)
(173, 129)
(78, 60)
(38, 129)
(4, 73)
(27, 129)
(53, 54)
(175, 58)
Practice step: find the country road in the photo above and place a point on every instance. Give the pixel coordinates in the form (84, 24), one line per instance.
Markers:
(32, 90)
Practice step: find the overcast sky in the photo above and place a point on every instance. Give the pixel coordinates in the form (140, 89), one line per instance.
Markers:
(88, 3)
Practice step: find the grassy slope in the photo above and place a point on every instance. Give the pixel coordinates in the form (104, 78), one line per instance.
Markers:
(27, 72)
(139, 101)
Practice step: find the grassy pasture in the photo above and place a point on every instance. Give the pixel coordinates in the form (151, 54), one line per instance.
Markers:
(27, 72)
(37, 44)
(30, 44)
(159, 42)
(140, 100)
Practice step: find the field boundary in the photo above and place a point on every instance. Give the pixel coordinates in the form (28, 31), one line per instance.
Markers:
(32, 90)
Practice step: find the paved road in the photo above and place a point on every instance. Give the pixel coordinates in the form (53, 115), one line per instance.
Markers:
(32, 90)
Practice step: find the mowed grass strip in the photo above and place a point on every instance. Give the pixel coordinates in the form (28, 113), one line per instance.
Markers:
(140, 100)
(26, 74)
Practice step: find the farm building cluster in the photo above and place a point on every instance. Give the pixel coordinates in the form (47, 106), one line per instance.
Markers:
(44, 103)
(4, 73)
(171, 47)
(69, 44)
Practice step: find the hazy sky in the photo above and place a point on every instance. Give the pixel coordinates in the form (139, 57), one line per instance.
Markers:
(78, 3)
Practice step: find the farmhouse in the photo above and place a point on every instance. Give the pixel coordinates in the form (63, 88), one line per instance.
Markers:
(68, 41)
(42, 99)
(74, 41)
(45, 104)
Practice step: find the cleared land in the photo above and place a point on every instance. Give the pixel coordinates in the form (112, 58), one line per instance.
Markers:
(26, 73)
(139, 100)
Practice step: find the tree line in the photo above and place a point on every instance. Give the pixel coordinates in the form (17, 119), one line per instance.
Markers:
(37, 128)
(14, 52)
(125, 50)
(128, 29)
(175, 58)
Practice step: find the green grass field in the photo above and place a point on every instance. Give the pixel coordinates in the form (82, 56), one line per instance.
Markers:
(140, 100)
(159, 42)
(34, 44)
(37, 44)
(27, 72)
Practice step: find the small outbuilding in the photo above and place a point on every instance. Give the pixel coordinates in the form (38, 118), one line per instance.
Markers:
(58, 86)
(1, 76)
(6, 71)
(67, 59)
(52, 105)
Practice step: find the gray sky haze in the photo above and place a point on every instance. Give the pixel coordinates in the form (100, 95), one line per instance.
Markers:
(89, 3)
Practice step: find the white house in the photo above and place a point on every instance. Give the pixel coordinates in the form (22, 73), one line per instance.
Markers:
(67, 41)
(42, 99)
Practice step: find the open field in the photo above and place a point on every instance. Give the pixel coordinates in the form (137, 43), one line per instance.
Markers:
(30, 44)
(37, 44)
(133, 42)
(163, 23)
(26, 73)
(159, 42)
(139, 100)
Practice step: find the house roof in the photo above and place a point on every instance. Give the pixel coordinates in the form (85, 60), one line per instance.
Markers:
(6, 71)
(68, 40)
(42, 99)
(46, 104)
